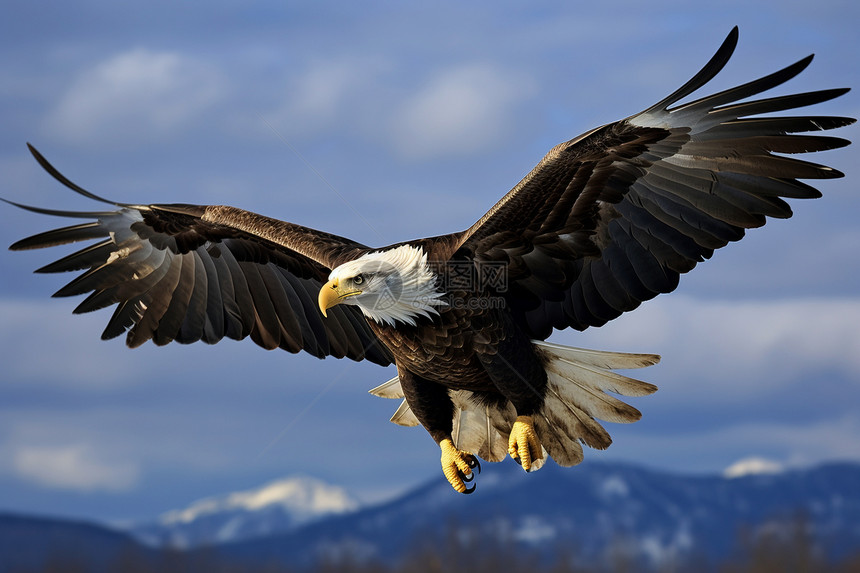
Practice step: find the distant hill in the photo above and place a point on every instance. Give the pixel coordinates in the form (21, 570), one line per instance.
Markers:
(36, 544)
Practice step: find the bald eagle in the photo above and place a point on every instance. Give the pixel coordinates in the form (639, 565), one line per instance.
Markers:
(605, 221)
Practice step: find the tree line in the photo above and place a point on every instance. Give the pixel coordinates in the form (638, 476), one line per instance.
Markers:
(789, 550)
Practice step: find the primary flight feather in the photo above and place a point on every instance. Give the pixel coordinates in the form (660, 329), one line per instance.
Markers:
(605, 221)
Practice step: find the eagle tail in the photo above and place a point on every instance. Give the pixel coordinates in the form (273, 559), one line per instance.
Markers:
(578, 382)
(477, 429)
(392, 389)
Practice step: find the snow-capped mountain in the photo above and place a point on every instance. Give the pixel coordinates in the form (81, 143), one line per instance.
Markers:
(275, 508)
(752, 466)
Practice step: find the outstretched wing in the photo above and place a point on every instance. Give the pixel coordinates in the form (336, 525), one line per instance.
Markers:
(191, 272)
(613, 217)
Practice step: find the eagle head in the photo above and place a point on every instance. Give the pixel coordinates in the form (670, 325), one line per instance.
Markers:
(388, 286)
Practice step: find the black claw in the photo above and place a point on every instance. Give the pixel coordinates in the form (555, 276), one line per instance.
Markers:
(473, 463)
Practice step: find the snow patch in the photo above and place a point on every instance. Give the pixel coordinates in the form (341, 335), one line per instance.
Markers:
(278, 507)
(534, 530)
(298, 495)
(752, 466)
(230, 530)
(614, 486)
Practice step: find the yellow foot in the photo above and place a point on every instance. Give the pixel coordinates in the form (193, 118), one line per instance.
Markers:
(523, 444)
(457, 466)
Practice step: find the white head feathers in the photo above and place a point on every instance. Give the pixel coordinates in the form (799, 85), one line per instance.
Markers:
(396, 285)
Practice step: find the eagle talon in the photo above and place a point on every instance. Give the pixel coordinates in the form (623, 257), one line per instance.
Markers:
(523, 444)
(457, 466)
(473, 463)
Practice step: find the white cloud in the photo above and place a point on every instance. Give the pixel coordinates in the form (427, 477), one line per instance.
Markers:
(73, 467)
(462, 110)
(134, 95)
(323, 89)
(737, 348)
(339, 94)
(792, 443)
(327, 92)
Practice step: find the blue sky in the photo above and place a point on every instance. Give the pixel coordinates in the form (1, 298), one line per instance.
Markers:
(382, 124)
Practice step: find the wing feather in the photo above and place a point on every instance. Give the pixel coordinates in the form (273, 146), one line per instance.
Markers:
(87, 257)
(242, 308)
(180, 291)
(159, 298)
(214, 325)
(187, 273)
(613, 217)
(63, 236)
(194, 321)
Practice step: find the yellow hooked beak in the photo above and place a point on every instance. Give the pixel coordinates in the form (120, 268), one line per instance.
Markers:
(331, 294)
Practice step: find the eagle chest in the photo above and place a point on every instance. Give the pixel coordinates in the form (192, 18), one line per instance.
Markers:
(445, 350)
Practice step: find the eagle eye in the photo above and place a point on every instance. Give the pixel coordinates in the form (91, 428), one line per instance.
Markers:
(358, 279)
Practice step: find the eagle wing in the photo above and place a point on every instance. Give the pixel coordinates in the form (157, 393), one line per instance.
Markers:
(613, 217)
(191, 272)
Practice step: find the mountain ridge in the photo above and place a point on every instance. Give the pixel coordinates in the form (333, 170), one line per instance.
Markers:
(278, 506)
(600, 508)
(31, 543)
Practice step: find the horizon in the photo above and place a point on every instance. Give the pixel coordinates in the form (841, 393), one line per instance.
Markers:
(753, 468)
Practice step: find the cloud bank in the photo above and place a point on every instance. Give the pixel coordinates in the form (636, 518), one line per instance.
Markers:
(73, 467)
(461, 110)
(135, 96)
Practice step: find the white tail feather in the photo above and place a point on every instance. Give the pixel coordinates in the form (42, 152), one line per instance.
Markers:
(577, 423)
(577, 382)
(390, 389)
(598, 358)
(555, 442)
(582, 387)
(473, 429)
(404, 416)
